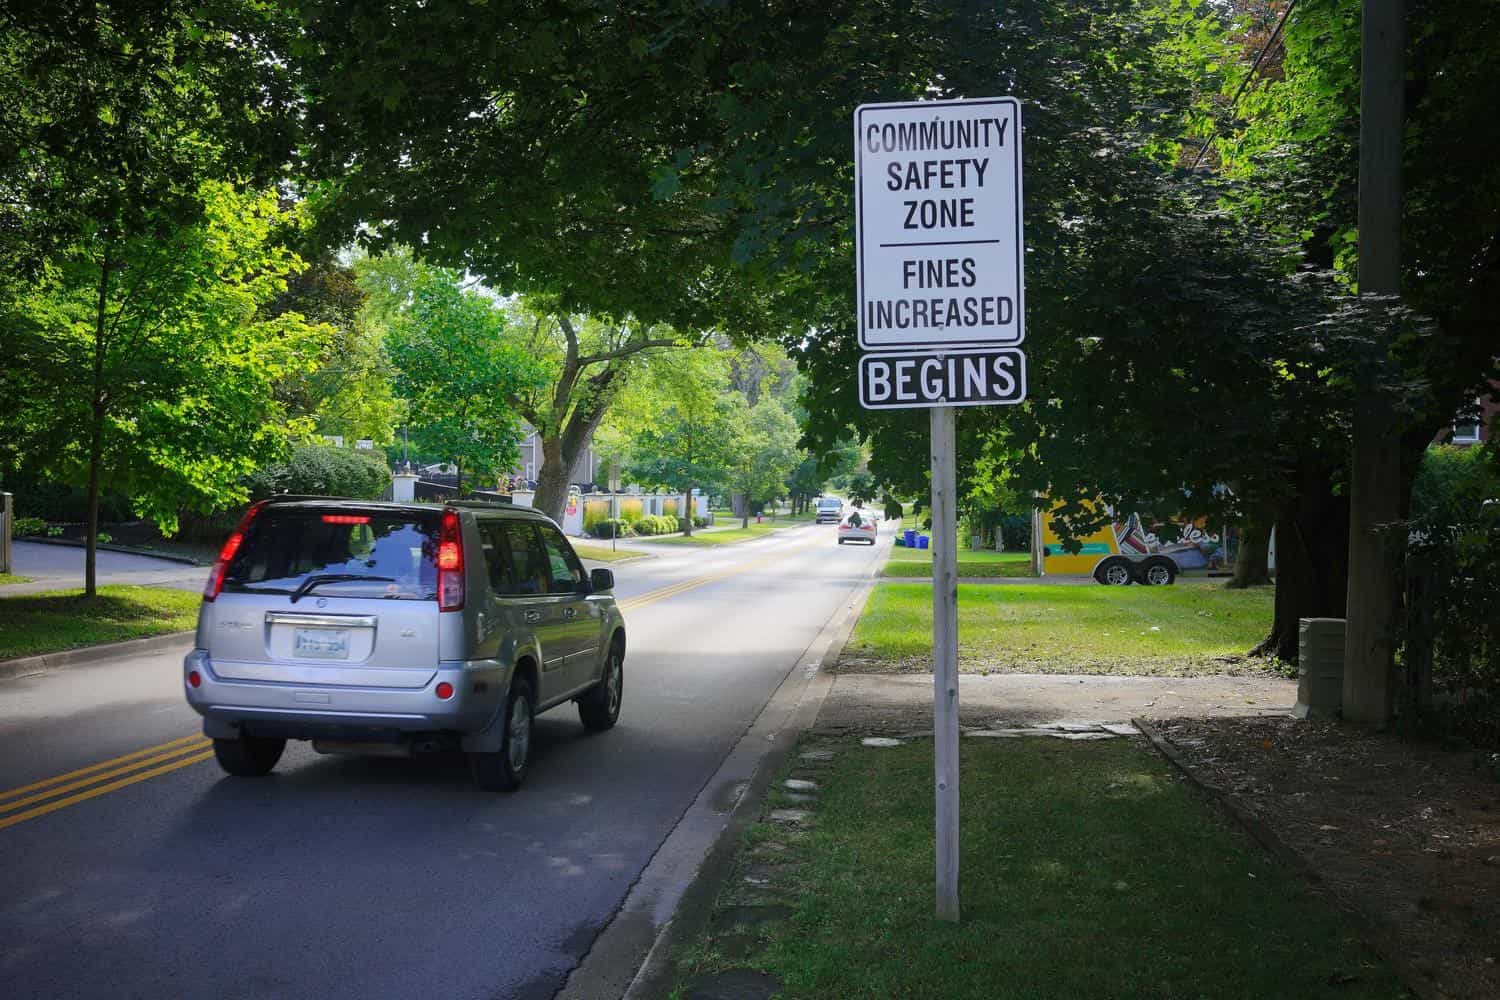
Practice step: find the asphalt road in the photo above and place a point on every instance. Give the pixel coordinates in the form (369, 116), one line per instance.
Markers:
(363, 877)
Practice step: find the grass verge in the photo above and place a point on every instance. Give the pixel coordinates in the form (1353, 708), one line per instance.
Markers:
(8, 578)
(600, 553)
(1088, 871)
(65, 619)
(918, 562)
(1190, 628)
(728, 536)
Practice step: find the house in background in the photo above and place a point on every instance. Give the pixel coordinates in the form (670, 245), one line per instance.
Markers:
(584, 470)
(1471, 429)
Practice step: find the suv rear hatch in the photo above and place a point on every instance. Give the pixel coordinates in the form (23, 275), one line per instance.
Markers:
(329, 595)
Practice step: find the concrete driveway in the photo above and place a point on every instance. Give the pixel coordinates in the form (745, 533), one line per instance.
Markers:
(54, 567)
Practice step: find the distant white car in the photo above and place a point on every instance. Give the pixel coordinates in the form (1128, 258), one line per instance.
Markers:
(857, 526)
(828, 509)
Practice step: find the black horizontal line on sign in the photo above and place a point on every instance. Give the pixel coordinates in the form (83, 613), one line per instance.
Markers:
(939, 243)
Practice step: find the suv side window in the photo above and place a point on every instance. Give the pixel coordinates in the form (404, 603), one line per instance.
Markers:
(497, 561)
(525, 560)
(565, 572)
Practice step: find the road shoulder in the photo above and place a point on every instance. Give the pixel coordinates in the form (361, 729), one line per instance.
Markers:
(674, 896)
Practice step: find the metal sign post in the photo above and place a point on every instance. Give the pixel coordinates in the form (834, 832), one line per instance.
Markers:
(941, 302)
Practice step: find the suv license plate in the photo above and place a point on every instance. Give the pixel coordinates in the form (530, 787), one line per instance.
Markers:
(321, 643)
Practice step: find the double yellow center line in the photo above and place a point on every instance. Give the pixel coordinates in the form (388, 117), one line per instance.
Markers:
(51, 794)
(63, 790)
(693, 583)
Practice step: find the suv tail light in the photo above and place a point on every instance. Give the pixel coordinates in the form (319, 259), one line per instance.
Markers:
(231, 546)
(450, 563)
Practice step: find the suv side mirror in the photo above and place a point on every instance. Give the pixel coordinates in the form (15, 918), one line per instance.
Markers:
(601, 579)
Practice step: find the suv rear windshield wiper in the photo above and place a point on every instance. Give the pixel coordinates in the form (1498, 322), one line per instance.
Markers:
(321, 578)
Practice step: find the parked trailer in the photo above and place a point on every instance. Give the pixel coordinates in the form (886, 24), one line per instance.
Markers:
(1125, 551)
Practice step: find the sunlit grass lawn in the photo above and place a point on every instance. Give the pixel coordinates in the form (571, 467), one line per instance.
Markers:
(65, 619)
(1087, 872)
(603, 553)
(918, 562)
(7, 578)
(728, 536)
(1037, 628)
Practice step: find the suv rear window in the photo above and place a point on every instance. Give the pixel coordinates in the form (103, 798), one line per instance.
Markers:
(338, 554)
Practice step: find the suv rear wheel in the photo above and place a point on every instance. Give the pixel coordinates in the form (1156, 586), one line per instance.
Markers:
(505, 770)
(248, 756)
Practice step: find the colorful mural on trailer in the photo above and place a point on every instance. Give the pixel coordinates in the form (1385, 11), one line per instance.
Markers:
(1196, 547)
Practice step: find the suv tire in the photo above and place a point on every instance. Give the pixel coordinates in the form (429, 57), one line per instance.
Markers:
(248, 756)
(599, 706)
(504, 770)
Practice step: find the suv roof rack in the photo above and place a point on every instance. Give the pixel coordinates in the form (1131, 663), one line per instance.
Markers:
(300, 497)
(481, 504)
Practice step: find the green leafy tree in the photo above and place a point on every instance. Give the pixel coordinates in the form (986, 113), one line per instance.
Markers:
(115, 118)
(587, 362)
(457, 366)
(349, 393)
(763, 450)
(676, 423)
(151, 371)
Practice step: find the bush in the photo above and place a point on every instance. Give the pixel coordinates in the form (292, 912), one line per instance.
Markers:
(702, 521)
(323, 470)
(656, 524)
(1455, 539)
(23, 526)
(606, 528)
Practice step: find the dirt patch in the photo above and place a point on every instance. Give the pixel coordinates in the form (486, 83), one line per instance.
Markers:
(886, 703)
(1405, 835)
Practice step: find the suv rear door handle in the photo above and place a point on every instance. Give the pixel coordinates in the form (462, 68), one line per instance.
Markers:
(532, 617)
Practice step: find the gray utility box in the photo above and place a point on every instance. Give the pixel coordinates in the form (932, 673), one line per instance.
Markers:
(1320, 668)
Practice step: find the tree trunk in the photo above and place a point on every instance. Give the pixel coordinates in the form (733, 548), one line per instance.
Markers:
(98, 413)
(458, 479)
(1250, 565)
(91, 535)
(552, 479)
(688, 529)
(1312, 558)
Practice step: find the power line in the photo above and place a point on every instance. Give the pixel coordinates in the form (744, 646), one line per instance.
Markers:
(1275, 34)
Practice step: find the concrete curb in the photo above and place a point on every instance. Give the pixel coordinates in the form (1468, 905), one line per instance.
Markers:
(1374, 937)
(123, 549)
(27, 666)
(632, 956)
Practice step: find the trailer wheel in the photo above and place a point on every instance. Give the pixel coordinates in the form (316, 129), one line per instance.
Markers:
(1114, 572)
(1159, 573)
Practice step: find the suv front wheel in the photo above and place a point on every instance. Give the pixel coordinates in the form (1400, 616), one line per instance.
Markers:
(599, 707)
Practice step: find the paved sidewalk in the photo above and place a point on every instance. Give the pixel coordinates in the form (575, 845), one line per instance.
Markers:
(885, 703)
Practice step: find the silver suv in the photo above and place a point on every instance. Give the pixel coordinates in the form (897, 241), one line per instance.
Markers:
(381, 627)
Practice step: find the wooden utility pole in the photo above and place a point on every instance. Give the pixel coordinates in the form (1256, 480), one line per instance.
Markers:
(1375, 467)
(945, 656)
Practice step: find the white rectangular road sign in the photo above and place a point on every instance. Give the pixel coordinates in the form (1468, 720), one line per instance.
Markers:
(920, 379)
(938, 224)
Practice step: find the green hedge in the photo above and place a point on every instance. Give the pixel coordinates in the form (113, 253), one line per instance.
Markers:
(656, 524)
(323, 470)
(1454, 548)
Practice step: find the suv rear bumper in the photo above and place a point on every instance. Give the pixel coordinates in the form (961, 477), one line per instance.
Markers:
(311, 711)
